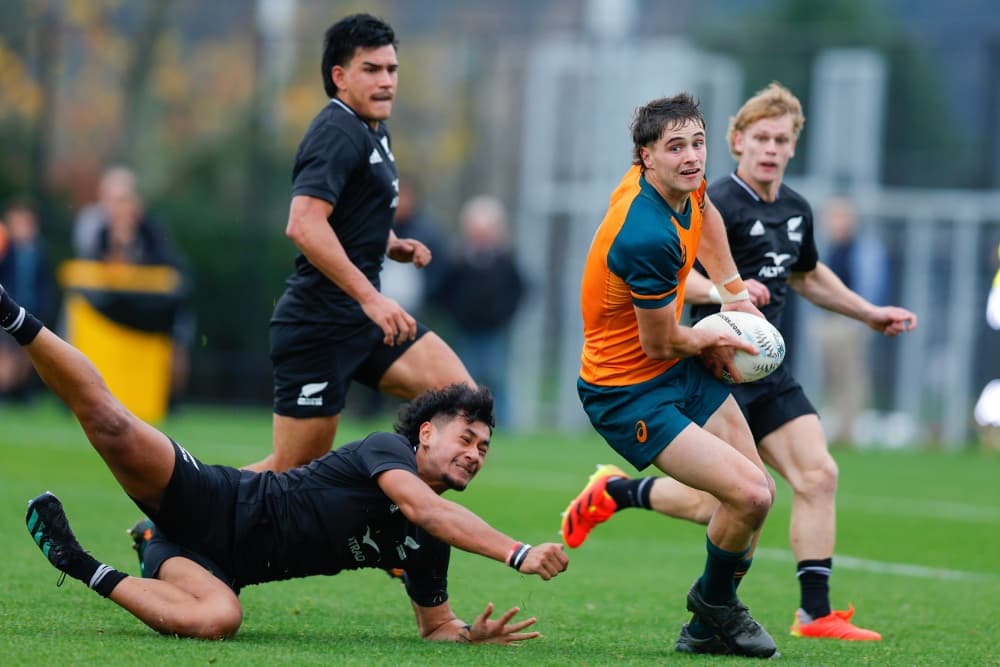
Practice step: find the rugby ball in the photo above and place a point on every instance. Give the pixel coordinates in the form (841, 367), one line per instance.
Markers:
(752, 329)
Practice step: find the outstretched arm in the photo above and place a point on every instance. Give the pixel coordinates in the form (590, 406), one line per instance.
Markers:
(440, 624)
(459, 527)
(822, 287)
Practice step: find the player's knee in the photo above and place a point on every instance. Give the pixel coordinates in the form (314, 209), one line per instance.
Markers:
(217, 621)
(226, 625)
(756, 499)
(821, 480)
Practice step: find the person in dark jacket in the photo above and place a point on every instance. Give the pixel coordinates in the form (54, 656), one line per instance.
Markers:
(24, 266)
(481, 291)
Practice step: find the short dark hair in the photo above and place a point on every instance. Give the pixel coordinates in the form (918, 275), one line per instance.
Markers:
(346, 36)
(650, 121)
(472, 404)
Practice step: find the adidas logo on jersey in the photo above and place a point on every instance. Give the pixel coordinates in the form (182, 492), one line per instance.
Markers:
(374, 158)
(757, 229)
(388, 151)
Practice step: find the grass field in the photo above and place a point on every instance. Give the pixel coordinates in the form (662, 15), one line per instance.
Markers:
(918, 553)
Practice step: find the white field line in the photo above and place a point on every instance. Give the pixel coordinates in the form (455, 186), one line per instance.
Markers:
(840, 562)
(883, 567)
(913, 507)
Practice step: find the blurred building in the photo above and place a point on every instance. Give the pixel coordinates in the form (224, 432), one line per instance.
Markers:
(529, 100)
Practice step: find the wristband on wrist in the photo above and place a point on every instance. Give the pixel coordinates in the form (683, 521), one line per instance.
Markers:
(725, 294)
(517, 555)
(729, 297)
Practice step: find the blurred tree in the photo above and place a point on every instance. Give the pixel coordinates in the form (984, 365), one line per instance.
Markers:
(141, 63)
(919, 130)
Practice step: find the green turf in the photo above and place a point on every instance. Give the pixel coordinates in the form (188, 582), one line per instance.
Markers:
(919, 543)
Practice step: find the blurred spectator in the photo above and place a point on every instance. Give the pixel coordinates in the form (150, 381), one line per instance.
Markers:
(987, 410)
(412, 221)
(481, 291)
(92, 218)
(24, 270)
(118, 229)
(861, 262)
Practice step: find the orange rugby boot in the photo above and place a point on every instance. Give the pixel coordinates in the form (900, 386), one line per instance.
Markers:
(835, 625)
(591, 507)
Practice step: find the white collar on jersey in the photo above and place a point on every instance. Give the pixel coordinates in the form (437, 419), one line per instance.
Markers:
(349, 110)
(740, 182)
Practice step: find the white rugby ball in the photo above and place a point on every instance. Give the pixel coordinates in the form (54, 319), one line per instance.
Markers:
(754, 330)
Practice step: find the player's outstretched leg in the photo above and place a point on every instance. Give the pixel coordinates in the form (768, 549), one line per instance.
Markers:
(140, 457)
(734, 625)
(50, 529)
(188, 601)
(835, 625)
(592, 506)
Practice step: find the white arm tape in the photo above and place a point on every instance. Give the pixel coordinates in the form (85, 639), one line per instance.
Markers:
(724, 296)
(713, 294)
(729, 297)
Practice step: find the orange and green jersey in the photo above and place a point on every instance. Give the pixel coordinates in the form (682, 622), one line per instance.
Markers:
(640, 258)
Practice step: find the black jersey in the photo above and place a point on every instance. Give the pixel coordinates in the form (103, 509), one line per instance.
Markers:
(769, 240)
(342, 160)
(330, 515)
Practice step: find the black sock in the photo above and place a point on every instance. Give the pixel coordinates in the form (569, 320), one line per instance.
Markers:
(105, 579)
(741, 571)
(95, 574)
(82, 567)
(814, 584)
(717, 582)
(16, 321)
(630, 492)
(699, 630)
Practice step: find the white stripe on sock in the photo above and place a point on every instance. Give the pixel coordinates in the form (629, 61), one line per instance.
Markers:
(102, 571)
(642, 487)
(18, 321)
(815, 569)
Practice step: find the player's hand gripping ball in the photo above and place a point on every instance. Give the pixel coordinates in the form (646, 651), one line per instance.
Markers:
(755, 330)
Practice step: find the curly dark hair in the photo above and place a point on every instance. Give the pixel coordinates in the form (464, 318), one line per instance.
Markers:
(474, 405)
(346, 36)
(651, 120)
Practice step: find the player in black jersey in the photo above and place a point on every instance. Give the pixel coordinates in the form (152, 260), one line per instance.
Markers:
(332, 325)
(372, 503)
(770, 231)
